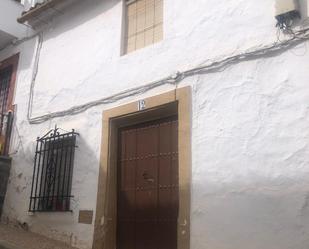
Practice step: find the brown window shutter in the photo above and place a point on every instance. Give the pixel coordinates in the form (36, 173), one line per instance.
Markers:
(144, 24)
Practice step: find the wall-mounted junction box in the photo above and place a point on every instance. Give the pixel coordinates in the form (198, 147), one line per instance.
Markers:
(287, 11)
(286, 6)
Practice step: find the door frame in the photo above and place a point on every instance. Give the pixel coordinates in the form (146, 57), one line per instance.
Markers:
(170, 103)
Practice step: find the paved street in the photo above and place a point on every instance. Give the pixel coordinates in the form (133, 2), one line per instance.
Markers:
(16, 238)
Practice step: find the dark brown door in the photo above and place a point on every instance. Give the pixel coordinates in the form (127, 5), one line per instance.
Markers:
(147, 204)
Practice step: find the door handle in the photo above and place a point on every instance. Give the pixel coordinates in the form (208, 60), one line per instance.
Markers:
(147, 177)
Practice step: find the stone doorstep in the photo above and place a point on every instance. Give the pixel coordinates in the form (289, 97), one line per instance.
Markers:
(6, 245)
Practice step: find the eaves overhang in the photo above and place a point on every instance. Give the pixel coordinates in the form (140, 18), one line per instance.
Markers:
(39, 11)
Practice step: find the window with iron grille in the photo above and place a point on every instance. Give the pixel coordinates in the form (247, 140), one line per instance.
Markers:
(5, 114)
(52, 172)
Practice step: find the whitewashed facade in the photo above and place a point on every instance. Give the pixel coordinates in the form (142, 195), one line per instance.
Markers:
(250, 119)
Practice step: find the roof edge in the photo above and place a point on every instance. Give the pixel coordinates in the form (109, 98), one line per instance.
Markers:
(37, 10)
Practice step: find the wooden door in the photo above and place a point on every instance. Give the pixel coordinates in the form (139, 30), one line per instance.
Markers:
(147, 195)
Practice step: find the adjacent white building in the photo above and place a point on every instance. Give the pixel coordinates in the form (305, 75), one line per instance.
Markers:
(242, 89)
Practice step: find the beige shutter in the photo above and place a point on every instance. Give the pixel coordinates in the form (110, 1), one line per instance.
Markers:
(144, 23)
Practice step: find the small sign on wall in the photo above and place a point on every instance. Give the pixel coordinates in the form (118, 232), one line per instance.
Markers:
(85, 216)
(141, 105)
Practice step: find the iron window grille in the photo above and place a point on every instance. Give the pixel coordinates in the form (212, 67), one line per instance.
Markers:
(6, 116)
(52, 172)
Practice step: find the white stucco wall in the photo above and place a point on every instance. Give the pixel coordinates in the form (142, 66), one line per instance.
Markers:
(250, 134)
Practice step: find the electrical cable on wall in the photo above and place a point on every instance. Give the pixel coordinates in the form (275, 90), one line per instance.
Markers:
(212, 67)
(34, 74)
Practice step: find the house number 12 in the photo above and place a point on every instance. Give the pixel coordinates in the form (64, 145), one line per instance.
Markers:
(141, 105)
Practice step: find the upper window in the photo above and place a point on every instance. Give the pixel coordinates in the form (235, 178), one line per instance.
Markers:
(144, 23)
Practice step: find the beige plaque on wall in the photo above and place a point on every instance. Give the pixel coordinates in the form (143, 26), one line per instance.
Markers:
(85, 216)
